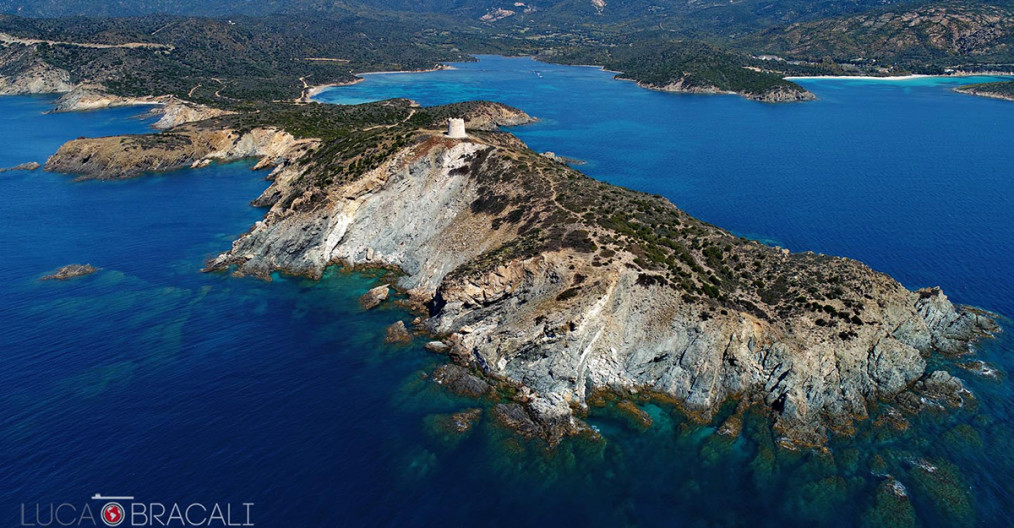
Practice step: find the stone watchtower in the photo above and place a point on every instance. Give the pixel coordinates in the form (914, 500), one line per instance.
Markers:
(456, 128)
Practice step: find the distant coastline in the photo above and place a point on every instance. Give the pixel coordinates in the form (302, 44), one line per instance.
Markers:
(863, 77)
(900, 77)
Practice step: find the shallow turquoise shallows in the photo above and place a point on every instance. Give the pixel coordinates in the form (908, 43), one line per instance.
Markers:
(154, 380)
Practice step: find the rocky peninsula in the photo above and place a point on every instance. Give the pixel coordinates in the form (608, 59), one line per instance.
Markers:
(995, 90)
(533, 276)
(776, 94)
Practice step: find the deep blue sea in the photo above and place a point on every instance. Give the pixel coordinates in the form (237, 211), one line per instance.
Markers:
(153, 380)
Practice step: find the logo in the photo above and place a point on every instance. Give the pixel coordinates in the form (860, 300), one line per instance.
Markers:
(136, 513)
(112, 514)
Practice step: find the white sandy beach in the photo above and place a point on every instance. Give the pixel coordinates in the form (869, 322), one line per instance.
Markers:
(865, 77)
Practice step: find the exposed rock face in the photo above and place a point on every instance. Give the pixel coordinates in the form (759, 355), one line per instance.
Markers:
(23, 72)
(93, 97)
(541, 277)
(175, 112)
(120, 157)
(71, 271)
(374, 297)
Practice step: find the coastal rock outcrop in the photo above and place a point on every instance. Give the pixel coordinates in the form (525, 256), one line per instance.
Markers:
(120, 157)
(172, 111)
(71, 271)
(777, 94)
(541, 277)
(374, 297)
(397, 333)
(29, 166)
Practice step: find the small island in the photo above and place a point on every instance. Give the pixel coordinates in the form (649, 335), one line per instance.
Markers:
(71, 271)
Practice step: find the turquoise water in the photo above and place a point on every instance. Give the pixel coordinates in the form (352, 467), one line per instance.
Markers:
(154, 380)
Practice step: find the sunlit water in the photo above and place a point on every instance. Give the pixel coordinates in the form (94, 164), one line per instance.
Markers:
(152, 379)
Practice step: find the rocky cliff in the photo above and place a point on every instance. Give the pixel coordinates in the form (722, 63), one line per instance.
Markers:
(538, 277)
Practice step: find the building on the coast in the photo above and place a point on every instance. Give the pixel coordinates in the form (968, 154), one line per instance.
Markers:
(456, 128)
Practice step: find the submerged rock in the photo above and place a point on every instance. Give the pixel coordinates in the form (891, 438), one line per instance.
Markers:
(374, 297)
(947, 492)
(891, 507)
(983, 369)
(635, 416)
(451, 429)
(71, 271)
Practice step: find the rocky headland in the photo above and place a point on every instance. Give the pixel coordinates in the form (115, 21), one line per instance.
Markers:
(995, 90)
(171, 111)
(536, 277)
(24, 72)
(121, 157)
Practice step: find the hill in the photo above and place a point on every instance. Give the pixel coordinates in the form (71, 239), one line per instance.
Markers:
(928, 38)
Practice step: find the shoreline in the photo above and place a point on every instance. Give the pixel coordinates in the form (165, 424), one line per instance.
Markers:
(862, 77)
(314, 91)
(442, 67)
(972, 91)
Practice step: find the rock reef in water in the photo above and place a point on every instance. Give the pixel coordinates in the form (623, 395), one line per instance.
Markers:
(30, 166)
(71, 271)
(543, 279)
(398, 333)
(374, 297)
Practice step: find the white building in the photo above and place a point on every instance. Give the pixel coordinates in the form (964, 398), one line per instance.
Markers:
(456, 128)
